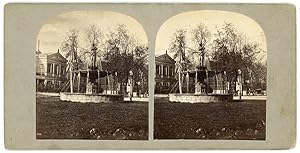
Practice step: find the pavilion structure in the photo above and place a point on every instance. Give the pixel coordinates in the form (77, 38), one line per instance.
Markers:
(208, 85)
(98, 85)
(205, 81)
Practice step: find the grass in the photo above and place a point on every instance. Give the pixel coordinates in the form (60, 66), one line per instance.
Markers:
(229, 120)
(56, 119)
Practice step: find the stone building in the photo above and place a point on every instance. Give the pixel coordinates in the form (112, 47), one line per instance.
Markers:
(50, 69)
(164, 73)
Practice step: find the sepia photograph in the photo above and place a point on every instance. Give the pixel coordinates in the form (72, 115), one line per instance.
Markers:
(92, 77)
(210, 77)
(147, 76)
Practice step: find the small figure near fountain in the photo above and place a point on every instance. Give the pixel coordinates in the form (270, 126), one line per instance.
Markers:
(209, 85)
(95, 91)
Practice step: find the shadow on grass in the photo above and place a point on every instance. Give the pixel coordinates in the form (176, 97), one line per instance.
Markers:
(241, 120)
(57, 119)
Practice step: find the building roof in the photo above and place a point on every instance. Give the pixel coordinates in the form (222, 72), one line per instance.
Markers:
(57, 56)
(54, 56)
(166, 58)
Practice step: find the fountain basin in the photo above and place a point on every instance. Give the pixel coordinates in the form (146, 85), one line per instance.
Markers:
(200, 98)
(94, 98)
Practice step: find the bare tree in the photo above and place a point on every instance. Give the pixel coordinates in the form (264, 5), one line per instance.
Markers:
(233, 51)
(178, 47)
(200, 36)
(121, 38)
(123, 53)
(94, 44)
(70, 47)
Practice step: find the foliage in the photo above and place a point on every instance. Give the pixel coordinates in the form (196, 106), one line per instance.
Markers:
(119, 51)
(178, 47)
(232, 51)
(124, 54)
(200, 36)
(70, 47)
(93, 49)
(228, 49)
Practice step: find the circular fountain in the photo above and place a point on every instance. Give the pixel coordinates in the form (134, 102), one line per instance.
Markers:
(92, 84)
(94, 90)
(209, 85)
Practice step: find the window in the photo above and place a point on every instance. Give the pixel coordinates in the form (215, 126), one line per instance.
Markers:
(41, 68)
(157, 69)
(166, 70)
(49, 68)
(56, 69)
(171, 71)
(62, 70)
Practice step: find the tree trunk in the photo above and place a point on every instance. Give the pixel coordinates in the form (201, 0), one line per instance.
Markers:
(179, 81)
(71, 80)
(78, 89)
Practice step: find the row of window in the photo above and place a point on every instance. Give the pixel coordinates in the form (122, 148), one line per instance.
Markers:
(56, 69)
(164, 70)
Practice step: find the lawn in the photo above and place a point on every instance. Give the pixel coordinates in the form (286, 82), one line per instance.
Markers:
(229, 120)
(56, 119)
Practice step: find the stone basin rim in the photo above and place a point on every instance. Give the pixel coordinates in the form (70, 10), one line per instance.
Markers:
(97, 94)
(192, 94)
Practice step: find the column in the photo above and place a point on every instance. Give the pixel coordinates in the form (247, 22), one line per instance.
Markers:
(162, 70)
(207, 82)
(53, 69)
(168, 72)
(187, 82)
(50, 72)
(108, 82)
(225, 82)
(179, 82)
(98, 81)
(196, 82)
(87, 77)
(71, 79)
(166, 69)
(59, 70)
(216, 78)
(87, 81)
(78, 89)
(105, 83)
(196, 77)
(113, 81)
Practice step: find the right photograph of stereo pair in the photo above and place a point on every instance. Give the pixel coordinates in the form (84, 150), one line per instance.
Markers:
(210, 77)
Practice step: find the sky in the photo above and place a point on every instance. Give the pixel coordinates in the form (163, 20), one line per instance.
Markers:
(53, 33)
(212, 19)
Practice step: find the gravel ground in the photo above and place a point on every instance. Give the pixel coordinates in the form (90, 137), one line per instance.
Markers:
(56, 119)
(229, 120)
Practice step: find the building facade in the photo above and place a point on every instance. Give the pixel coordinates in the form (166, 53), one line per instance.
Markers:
(164, 73)
(50, 69)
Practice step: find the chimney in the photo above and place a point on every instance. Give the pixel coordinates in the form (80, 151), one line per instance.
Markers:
(58, 51)
(38, 47)
(166, 51)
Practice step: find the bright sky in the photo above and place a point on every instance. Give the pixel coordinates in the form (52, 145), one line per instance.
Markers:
(211, 18)
(53, 33)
